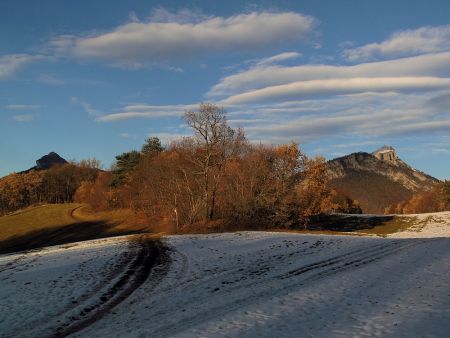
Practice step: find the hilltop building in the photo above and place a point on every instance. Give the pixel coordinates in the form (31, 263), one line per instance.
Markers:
(385, 153)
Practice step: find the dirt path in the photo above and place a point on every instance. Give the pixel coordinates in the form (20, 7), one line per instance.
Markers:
(71, 214)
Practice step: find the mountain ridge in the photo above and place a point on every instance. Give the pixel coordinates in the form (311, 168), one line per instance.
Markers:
(374, 182)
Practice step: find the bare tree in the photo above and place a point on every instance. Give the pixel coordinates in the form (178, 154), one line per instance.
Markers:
(213, 144)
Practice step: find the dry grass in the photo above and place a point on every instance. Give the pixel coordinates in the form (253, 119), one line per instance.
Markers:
(397, 224)
(36, 218)
(53, 224)
(120, 219)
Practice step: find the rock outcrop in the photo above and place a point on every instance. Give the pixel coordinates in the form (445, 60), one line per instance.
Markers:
(377, 180)
(46, 162)
(49, 160)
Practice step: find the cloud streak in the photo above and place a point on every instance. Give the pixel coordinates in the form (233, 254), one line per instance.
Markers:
(22, 106)
(271, 75)
(406, 42)
(174, 36)
(301, 89)
(11, 63)
(341, 116)
(146, 111)
(86, 106)
(278, 58)
(23, 118)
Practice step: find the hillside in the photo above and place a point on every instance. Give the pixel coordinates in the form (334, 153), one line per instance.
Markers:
(374, 182)
(53, 224)
(52, 180)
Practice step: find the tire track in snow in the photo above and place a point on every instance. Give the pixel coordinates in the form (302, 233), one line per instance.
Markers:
(294, 278)
(309, 250)
(151, 254)
(145, 258)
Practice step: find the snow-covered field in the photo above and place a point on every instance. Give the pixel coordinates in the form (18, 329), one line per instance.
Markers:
(247, 284)
(427, 226)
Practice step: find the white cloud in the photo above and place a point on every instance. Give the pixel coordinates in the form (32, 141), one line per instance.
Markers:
(270, 75)
(86, 106)
(406, 42)
(301, 89)
(177, 36)
(369, 123)
(23, 118)
(365, 115)
(133, 17)
(146, 111)
(11, 63)
(278, 58)
(406, 96)
(22, 106)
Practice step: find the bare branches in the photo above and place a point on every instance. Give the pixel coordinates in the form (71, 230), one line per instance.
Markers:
(215, 144)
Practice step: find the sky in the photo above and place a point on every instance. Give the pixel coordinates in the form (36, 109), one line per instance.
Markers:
(96, 78)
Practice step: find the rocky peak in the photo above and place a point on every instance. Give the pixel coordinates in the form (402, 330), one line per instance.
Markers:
(386, 153)
(49, 160)
(378, 179)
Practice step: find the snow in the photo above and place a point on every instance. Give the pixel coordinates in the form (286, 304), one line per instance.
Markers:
(427, 226)
(245, 284)
(40, 287)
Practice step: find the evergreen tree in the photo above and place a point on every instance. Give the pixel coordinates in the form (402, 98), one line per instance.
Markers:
(125, 163)
(152, 146)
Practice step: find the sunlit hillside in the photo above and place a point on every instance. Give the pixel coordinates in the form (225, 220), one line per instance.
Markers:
(62, 223)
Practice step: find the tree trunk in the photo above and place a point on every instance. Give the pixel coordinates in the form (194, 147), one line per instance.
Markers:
(213, 204)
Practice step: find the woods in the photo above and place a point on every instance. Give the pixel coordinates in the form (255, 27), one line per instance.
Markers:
(215, 177)
(55, 185)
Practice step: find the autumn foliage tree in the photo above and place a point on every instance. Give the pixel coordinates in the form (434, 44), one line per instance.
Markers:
(97, 193)
(214, 143)
(311, 195)
(55, 185)
(217, 176)
(434, 200)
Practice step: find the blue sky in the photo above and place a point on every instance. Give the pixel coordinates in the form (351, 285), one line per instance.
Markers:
(95, 78)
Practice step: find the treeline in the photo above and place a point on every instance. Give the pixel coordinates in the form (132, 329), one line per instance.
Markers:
(435, 200)
(55, 185)
(216, 177)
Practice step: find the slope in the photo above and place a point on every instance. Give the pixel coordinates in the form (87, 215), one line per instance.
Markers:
(375, 183)
(53, 224)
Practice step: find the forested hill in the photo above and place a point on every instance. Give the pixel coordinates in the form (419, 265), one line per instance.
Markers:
(52, 180)
(376, 184)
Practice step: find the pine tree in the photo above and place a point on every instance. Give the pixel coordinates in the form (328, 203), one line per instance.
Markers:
(152, 146)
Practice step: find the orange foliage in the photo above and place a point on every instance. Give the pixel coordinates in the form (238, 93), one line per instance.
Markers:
(56, 185)
(435, 200)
